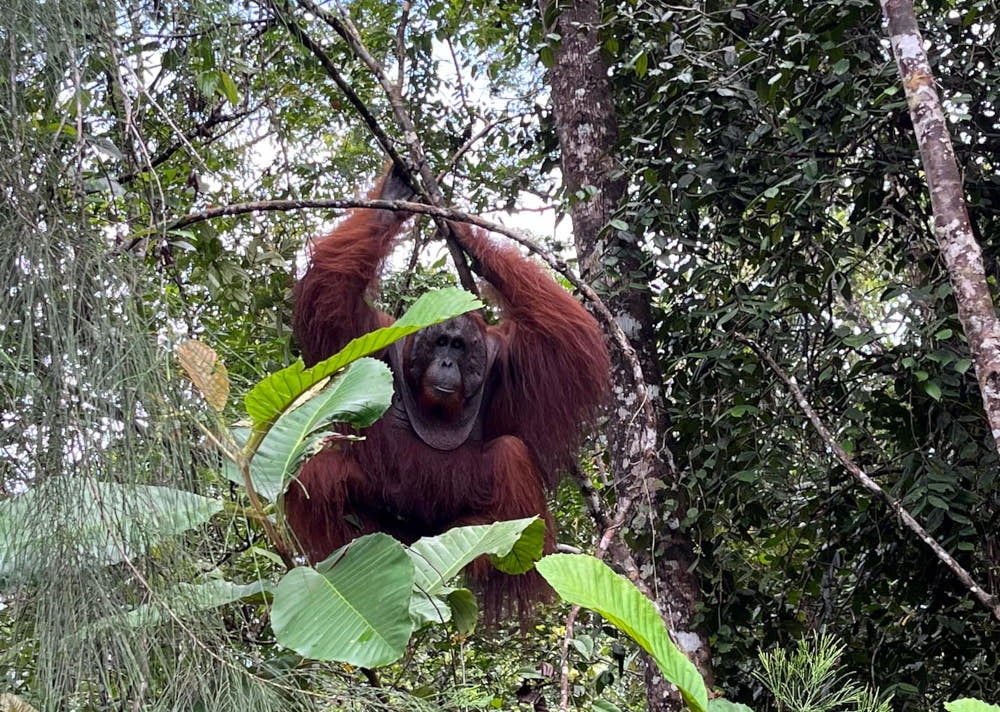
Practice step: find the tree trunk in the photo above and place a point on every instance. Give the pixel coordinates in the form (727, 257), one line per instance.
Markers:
(644, 477)
(962, 255)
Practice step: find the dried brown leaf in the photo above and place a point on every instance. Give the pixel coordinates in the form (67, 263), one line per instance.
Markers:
(206, 371)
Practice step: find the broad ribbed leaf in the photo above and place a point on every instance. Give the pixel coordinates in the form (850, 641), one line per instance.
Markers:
(354, 607)
(590, 583)
(438, 559)
(93, 523)
(525, 552)
(274, 394)
(968, 704)
(184, 600)
(464, 610)
(358, 396)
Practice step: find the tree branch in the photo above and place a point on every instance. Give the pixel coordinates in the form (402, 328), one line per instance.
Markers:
(952, 228)
(604, 313)
(989, 601)
(331, 70)
(343, 26)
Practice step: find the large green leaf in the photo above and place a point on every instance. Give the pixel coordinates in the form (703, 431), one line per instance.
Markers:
(358, 396)
(93, 523)
(353, 607)
(183, 600)
(526, 550)
(969, 704)
(590, 583)
(464, 610)
(276, 392)
(439, 559)
(721, 704)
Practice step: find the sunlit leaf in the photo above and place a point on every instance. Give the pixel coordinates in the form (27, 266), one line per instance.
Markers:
(353, 607)
(590, 583)
(464, 610)
(525, 551)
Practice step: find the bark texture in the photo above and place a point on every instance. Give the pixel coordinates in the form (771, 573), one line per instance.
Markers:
(952, 228)
(645, 478)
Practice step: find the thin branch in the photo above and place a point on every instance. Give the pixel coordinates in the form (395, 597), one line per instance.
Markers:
(201, 130)
(989, 601)
(331, 70)
(231, 451)
(343, 26)
(401, 47)
(163, 113)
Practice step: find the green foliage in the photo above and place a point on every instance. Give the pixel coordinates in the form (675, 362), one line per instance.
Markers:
(775, 196)
(371, 594)
(590, 583)
(99, 524)
(352, 607)
(526, 551)
(359, 396)
(812, 680)
(970, 705)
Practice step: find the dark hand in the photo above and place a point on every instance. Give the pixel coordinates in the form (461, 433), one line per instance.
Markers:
(395, 187)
